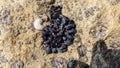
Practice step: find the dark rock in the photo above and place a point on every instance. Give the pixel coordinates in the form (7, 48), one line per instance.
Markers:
(76, 64)
(16, 33)
(103, 57)
(80, 17)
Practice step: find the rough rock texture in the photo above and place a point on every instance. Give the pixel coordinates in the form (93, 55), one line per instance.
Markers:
(19, 41)
(103, 57)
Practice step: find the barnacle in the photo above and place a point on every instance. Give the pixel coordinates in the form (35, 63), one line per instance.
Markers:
(60, 33)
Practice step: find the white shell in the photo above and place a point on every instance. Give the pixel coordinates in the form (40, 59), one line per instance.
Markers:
(38, 25)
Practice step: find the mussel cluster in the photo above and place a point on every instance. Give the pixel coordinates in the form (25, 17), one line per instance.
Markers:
(60, 33)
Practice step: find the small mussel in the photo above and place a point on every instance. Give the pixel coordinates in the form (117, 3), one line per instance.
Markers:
(60, 33)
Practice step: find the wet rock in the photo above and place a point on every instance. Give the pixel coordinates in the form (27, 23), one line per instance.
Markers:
(77, 39)
(9, 20)
(52, 1)
(38, 24)
(96, 8)
(99, 30)
(103, 57)
(43, 65)
(92, 32)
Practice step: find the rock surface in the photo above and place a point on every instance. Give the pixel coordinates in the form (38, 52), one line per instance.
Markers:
(98, 19)
(103, 57)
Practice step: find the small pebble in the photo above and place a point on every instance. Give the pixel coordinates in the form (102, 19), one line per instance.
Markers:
(51, 1)
(81, 51)
(16, 33)
(38, 24)
(91, 11)
(5, 13)
(86, 13)
(73, 63)
(3, 60)
(100, 34)
(20, 42)
(9, 20)
(80, 17)
(30, 25)
(34, 57)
